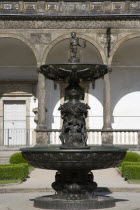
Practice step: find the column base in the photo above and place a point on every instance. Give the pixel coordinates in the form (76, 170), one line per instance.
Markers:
(41, 137)
(107, 137)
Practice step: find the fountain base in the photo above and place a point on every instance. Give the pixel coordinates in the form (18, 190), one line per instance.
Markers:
(74, 190)
(74, 182)
(50, 202)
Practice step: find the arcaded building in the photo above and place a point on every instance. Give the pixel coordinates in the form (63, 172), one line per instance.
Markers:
(33, 33)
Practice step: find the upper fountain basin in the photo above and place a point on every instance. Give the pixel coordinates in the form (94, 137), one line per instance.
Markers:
(66, 71)
(52, 157)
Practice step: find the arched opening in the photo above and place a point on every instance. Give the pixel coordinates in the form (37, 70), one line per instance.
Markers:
(18, 78)
(52, 104)
(127, 54)
(125, 79)
(17, 61)
(59, 53)
(95, 114)
(127, 112)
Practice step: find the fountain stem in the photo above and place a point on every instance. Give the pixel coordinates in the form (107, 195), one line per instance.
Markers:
(74, 113)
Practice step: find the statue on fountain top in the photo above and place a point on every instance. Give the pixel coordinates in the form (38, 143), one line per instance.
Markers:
(74, 43)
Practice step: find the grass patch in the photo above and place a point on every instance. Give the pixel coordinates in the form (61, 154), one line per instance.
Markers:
(134, 181)
(10, 181)
(120, 168)
(131, 171)
(8, 174)
(31, 168)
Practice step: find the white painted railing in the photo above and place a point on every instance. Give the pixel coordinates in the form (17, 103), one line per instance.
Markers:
(53, 136)
(120, 137)
(125, 138)
(17, 137)
(94, 137)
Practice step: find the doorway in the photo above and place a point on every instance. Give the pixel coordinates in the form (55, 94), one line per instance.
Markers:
(14, 123)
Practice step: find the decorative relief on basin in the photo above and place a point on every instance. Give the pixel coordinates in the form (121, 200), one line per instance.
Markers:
(74, 160)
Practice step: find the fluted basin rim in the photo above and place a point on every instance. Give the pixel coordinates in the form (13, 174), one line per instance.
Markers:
(54, 158)
(75, 64)
(57, 149)
(65, 71)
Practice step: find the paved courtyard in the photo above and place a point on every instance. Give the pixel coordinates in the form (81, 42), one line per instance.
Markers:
(20, 196)
(24, 201)
(41, 180)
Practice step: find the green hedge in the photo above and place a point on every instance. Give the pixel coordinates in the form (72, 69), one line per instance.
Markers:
(131, 171)
(132, 156)
(14, 171)
(17, 158)
(130, 163)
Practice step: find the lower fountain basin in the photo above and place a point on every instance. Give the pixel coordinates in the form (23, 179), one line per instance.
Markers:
(74, 185)
(54, 158)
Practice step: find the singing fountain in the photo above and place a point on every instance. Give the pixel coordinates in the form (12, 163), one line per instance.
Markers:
(74, 159)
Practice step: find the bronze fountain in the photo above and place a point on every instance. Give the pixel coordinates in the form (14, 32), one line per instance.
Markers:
(74, 159)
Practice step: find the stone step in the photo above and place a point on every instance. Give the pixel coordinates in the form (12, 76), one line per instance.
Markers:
(5, 155)
(4, 159)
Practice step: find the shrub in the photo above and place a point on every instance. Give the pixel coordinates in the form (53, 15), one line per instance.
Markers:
(130, 163)
(17, 158)
(14, 171)
(132, 156)
(131, 171)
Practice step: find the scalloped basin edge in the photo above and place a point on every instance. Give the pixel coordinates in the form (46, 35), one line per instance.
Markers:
(54, 158)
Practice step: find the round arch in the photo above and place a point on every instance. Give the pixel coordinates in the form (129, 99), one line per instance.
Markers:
(125, 80)
(25, 41)
(53, 101)
(126, 112)
(18, 58)
(67, 36)
(95, 114)
(119, 43)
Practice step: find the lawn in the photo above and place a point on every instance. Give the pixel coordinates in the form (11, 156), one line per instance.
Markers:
(9, 181)
(134, 181)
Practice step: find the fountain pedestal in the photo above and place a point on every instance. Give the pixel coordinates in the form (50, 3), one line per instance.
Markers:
(75, 190)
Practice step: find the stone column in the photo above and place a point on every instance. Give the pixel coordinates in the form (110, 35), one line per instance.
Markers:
(41, 101)
(1, 121)
(41, 133)
(107, 137)
(139, 138)
(107, 103)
